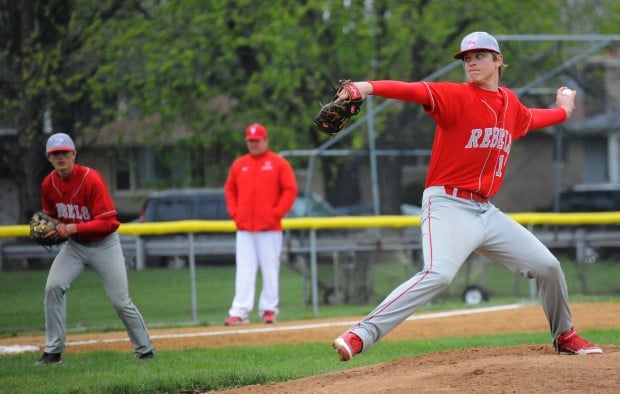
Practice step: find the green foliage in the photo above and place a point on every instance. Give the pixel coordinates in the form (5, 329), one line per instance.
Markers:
(206, 69)
(218, 66)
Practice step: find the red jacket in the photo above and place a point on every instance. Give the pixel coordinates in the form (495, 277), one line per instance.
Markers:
(260, 190)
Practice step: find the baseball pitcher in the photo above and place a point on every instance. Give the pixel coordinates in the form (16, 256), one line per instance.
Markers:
(476, 124)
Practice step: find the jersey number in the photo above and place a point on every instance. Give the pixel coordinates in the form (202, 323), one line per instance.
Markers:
(500, 166)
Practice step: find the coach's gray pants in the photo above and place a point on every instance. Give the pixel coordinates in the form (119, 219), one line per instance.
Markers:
(106, 258)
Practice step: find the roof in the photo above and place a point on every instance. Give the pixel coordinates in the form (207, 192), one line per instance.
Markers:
(595, 125)
(595, 187)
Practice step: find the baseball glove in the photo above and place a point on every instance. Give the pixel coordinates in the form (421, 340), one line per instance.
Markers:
(47, 231)
(334, 116)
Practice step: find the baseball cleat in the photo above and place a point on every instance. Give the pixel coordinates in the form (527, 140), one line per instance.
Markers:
(49, 359)
(269, 317)
(571, 343)
(236, 321)
(146, 356)
(348, 345)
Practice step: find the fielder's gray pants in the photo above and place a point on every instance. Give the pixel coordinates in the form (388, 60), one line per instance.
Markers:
(106, 258)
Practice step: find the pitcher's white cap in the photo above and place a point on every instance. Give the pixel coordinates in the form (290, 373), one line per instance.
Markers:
(477, 41)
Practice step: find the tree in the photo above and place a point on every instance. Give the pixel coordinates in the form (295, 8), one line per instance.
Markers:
(47, 72)
(216, 66)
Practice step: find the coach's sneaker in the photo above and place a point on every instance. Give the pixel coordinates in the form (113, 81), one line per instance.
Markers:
(49, 358)
(571, 343)
(236, 321)
(348, 345)
(269, 317)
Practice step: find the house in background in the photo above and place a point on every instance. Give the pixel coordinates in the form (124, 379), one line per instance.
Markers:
(583, 150)
(135, 159)
(599, 129)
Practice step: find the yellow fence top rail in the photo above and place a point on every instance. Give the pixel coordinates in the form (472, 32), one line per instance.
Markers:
(337, 222)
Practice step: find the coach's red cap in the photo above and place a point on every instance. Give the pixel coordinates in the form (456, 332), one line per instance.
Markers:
(477, 41)
(255, 132)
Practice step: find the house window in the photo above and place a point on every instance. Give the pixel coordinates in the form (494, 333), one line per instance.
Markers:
(144, 168)
(595, 160)
(122, 173)
(123, 180)
(613, 157)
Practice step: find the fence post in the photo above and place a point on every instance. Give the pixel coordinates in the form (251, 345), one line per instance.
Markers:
(192, 276)
(336, 273)
(140, 255)
(580, 254)
(531, 280)
(314, 273)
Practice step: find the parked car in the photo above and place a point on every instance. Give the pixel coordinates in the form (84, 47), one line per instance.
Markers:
(410, 209)
(590, 198)
(314, 206)
(184, 204)
(205, 204)
(210, 204)
(355, 210)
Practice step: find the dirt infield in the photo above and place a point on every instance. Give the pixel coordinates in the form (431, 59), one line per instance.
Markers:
(521, 369)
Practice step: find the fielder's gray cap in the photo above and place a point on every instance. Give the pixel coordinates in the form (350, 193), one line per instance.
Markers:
(477, 41)
(59, 142)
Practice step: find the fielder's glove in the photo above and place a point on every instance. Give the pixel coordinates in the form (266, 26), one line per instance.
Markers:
(47, 231)
(334, 116)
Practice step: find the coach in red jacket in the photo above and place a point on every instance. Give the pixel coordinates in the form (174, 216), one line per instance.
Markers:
(260, 190)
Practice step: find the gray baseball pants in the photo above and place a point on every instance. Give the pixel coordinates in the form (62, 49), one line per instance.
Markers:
(106, 258)
(452, 228)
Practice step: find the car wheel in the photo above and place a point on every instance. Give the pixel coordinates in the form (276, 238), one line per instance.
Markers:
(475, 294)
(176, 262)
(334, 296)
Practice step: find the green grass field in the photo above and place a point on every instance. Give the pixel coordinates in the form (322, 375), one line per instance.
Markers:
(182, 371)
(163, 296)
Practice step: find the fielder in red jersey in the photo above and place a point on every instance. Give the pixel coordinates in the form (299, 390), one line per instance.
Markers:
(260, 190)
(476, 124)
(79, 197)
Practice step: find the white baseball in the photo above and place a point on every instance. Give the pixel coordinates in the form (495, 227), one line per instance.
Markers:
(566, 92)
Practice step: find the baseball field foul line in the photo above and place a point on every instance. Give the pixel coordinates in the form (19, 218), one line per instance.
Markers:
(13, 349)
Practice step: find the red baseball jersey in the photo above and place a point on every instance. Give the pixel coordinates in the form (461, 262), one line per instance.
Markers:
(81, 198)
(475, 129)
(260, 190)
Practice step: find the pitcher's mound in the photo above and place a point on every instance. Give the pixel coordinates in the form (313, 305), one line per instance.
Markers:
(520, 369)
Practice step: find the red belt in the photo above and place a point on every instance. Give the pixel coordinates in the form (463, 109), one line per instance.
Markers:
(466, 194)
